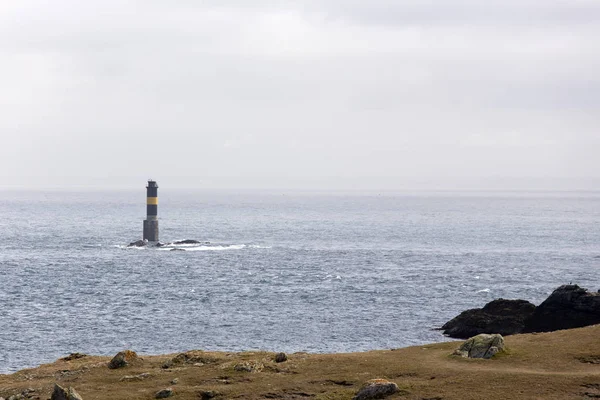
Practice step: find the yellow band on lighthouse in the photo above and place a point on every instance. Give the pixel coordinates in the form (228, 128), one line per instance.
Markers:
(152, 201)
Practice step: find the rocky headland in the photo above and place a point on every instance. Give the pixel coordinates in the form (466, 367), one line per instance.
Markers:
(569, 306)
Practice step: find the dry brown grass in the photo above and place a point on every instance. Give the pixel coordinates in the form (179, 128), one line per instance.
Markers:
(557, 365)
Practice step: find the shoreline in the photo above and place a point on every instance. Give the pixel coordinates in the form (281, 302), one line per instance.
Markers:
(555, 365)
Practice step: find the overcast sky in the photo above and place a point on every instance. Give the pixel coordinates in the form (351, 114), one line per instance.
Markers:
(313, 94)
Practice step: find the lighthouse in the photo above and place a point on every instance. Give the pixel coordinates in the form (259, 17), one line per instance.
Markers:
(151, 221)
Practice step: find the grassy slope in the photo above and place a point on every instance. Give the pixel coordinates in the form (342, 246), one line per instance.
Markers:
(537, 366)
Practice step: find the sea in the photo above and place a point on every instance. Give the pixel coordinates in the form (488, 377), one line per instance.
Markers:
(276, 270)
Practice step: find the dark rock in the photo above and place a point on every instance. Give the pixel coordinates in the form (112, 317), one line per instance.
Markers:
(138, 243)
(208, 394)
(376, 389)
(506, 317)
(163, 394)
(73, 356)
(177, 249)
(280, 357)
(481, 346)
(61, 393)
(569, 306)
(122, 359)
(187, 241)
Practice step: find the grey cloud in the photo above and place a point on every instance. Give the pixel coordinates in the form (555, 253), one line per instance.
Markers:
(263, 90)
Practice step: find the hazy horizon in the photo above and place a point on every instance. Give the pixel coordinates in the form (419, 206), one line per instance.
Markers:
(336, 95)
(365, 185)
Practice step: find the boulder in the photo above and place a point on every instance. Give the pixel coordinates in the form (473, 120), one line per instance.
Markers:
(138, 243)
(122, 359)
(506, 317)
(569, 306)
(163, 394)
(481, 346)
(61, 393)
(376, 389)
(280, 357)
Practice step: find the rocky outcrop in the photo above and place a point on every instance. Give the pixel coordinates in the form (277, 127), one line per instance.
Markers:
(29, 393)
(61, 393)
(138, 243)
(122, 359)
(187, 241)
(249, 366)
(569, 306)
(481, 346)
(73, 356)
(506, 317)
(376, 389)
(194, 357)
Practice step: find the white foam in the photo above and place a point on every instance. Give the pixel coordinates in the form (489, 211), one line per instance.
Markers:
(217, 247)
(120, 246)
(198, 247)
(203, 247)
(486, 290)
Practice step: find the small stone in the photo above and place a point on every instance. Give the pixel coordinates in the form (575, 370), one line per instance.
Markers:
(61, 393)
(208, 394)
(163, 394)
(175, 381)
(280, 357)
(122, 359)
(135, 378)
(376, 389)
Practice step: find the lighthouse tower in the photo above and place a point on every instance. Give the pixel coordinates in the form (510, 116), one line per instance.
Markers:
(151, 221)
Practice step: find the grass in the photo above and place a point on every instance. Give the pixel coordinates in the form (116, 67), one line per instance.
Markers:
(557, 365)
